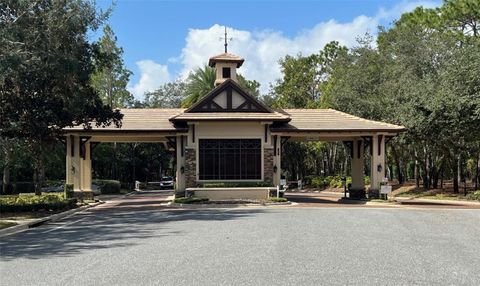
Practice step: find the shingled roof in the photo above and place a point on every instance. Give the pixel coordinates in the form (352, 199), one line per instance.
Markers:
(325, 120)
(141, 119)
(287, 120)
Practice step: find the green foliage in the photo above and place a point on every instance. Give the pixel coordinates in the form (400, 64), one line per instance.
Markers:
(111, 77)
(32, 203)
(108, 186)
(23, 187)
(169, 95)
(237, 185)
(190, 200)
(68, 191)
(474, 195)
(304, 77)
(46, 62)
(202, 80)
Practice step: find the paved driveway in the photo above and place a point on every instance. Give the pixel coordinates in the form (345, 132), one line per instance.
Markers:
(136, 241)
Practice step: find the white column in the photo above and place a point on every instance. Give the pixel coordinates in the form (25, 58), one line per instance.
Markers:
(87, 169)
(358, 182)
(378, 162)
(76, 165)
(68, 161)
(180, 176)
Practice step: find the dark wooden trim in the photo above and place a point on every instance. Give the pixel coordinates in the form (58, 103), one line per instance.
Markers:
(72, 146)
(283, 140)
(229, 99)
(367, 142)
(266, 133)
(359, 148)
(349, 145)
(182, 150)
(310, 130)
(388, 138)
(380, 142)
(275, 145)
(193, 133)
(83, 140)
(229, 85)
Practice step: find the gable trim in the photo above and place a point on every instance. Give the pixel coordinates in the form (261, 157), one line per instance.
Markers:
(228, 86)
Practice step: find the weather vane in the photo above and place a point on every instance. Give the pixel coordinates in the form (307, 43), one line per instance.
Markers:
(226, 40)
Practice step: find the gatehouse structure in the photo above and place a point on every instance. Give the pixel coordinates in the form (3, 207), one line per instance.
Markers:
(230, 136)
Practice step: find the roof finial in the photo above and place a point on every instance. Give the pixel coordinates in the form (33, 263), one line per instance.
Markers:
(226, 40)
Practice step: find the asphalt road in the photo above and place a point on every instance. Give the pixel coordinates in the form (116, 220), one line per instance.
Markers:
(136, 242)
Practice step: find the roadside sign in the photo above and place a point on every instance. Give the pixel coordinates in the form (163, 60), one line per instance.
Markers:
(385, 190)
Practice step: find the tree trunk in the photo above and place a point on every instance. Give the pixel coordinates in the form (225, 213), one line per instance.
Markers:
(477, 174)
(6, 170)
(38, 167)
(398, 164)
(455, 176)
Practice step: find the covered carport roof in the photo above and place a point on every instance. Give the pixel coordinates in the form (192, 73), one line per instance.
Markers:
(330, 120)
(165, 121)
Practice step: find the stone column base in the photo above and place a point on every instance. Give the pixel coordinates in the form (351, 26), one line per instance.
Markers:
(83, 195)
(357, 194)
(373, 194)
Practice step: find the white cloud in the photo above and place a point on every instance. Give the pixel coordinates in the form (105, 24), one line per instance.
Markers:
(262, 49)
(152, 75)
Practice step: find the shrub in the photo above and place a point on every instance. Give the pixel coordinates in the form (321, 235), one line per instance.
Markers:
(23, 187)
(474, 196)
(68, 191)
(108, 186)
(190, 200)
(237, 185)
(278, 200)
(31, 203)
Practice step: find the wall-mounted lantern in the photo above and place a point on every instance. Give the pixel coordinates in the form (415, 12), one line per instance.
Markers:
(379, 168)
(182, 169)
(275, 168)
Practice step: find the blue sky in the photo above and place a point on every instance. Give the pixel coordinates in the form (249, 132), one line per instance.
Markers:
(164, 40)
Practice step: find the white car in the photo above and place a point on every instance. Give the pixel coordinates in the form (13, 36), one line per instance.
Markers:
(166, 182)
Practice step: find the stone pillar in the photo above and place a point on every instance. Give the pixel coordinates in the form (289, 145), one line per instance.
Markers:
(268, 163)
(68, 161)
(180, 169)
(277, 160)
(378, 165)
(190, 168)
(76, 165)
(357, 190)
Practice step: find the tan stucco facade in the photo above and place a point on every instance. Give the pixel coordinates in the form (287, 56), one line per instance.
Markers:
(230, 112)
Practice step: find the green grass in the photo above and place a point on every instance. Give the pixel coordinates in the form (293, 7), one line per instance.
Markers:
(440, 195)
(5, 224)
(190, 200)
(278, 200)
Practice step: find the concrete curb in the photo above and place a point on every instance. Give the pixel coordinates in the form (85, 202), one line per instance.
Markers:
(37, 222)
(433, 201)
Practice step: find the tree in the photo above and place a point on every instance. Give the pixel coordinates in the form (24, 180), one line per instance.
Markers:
(202, 80)
(45, 69)
(304, 77)
(111, 77)
(169, 95)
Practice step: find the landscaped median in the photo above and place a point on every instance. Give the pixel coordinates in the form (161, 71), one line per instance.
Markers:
(19, 212)
(204, 200)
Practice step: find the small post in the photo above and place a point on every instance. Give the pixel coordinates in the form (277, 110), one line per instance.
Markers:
(344, 184)
(278, 191)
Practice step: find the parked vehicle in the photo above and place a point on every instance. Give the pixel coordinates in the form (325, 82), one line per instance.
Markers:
(166, 182)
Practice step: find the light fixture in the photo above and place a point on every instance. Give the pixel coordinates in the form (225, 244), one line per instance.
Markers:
(182, 169)
(379, 168)
(275, 168)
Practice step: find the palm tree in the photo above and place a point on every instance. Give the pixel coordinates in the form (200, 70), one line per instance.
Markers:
(199, 82)
(202, 80)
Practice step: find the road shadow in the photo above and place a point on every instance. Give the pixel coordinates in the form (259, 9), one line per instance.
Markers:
(102, 228)
(319, 198)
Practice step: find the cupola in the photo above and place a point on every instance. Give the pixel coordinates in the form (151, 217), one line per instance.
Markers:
(225, 64)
